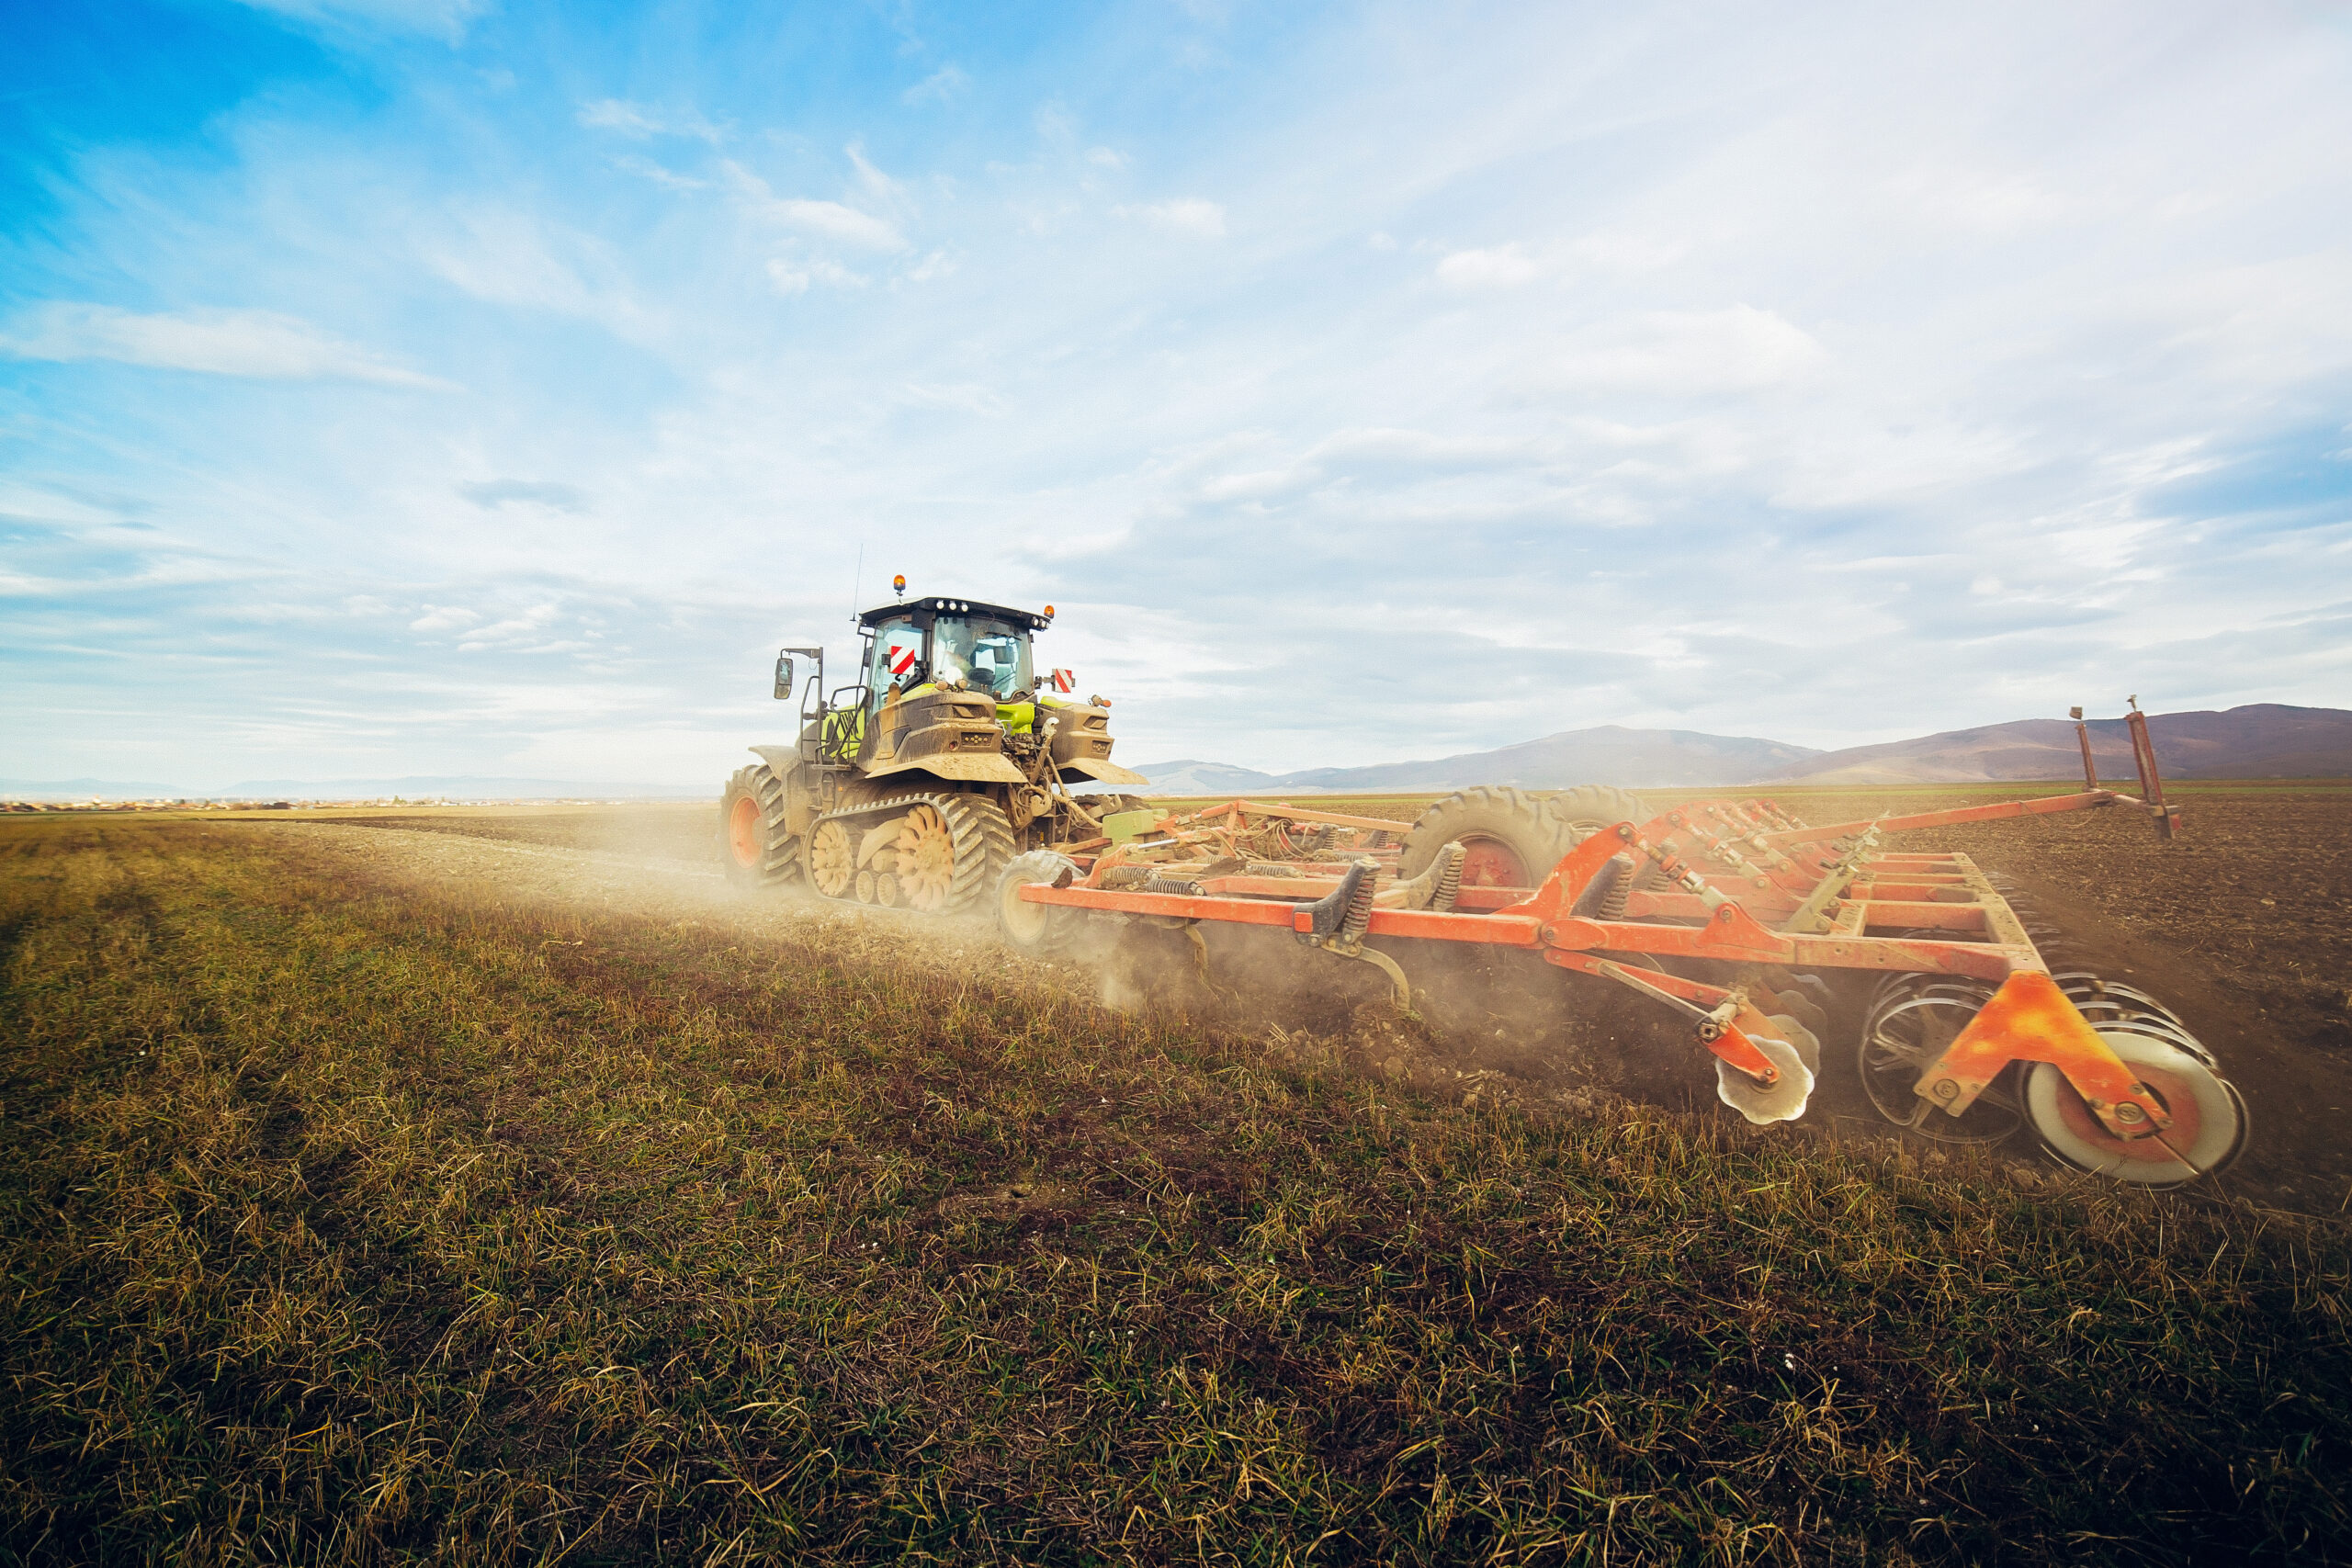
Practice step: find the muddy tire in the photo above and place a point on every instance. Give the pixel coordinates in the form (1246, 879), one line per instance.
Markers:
(1590, 808)
(753, 846)
(948, 852)
(1509, 840)
(1035, 930)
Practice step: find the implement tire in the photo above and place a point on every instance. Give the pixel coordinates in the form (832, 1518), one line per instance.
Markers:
(753, 846)
(1591, 809)
(1035, 930)
(1510, 840)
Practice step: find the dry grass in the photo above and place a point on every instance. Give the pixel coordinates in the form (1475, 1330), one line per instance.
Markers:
(344, 1223)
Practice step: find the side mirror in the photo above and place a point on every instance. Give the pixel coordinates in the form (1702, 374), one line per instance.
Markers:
(783, 676)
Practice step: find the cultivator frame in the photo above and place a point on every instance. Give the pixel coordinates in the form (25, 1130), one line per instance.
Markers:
(1737, 889)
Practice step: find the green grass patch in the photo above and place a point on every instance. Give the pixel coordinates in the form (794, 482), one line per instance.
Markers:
(346, 1221)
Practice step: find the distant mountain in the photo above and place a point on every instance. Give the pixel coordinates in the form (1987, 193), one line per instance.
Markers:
(2258, 741)
(1187, 777)
(1608, 754)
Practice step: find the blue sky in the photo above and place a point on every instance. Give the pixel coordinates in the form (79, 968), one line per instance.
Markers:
(426, 386)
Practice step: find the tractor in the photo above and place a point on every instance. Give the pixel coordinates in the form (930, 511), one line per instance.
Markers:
(916, 784)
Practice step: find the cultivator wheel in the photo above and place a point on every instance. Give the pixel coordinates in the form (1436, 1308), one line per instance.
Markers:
(755, 846)
(1037, 929)
(2209, 1119)
(932, 853)
(1508, 840)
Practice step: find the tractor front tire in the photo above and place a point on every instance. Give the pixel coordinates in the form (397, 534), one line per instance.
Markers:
(754, 845)
(1509, 839)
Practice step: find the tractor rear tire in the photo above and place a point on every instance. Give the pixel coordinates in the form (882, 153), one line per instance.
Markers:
(754, 845)
(1035, 930)
(1512, 841)
(1593, 809)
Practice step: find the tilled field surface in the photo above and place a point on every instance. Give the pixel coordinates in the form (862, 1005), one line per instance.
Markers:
(379, 1195)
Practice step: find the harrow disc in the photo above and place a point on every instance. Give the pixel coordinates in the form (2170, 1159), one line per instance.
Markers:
(2209, 1117)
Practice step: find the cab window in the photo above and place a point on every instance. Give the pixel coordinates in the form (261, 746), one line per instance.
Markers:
(898, 658)
(989, 654)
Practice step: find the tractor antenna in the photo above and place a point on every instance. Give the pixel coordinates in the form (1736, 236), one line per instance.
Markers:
(855, 577)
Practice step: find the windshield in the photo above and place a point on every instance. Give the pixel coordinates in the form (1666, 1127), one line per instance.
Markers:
(992, 655)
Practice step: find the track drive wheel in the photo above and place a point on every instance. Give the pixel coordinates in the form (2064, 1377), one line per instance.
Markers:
(1035, 929)
(950, 848)
(1590, 808)
(753, 846)
(2209, 1120)
(1508, 840)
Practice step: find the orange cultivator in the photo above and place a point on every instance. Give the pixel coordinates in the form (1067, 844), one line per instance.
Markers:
(1729, 912)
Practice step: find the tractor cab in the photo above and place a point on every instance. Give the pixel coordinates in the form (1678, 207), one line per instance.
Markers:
(939, 642)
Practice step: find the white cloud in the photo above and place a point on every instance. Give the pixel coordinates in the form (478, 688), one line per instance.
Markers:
(646, 168)
(510, 256)
(879, 185)
(948, 82)
(828, 220)
(1183, 215)
(257, 344)
(968, 397)
(1692, 352)
(793, 276)
(1105, 158)
(443, 618)
(1504, 267)
(640, 120)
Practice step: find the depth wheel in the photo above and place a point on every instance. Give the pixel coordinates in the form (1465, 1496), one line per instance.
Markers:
(753, 847)
(1508, 840)
(1035, 929)
(2209, 1120)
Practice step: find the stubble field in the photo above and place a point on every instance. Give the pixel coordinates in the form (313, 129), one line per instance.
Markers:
(495, 1187)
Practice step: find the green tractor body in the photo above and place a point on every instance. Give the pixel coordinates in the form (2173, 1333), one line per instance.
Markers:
(915, 785)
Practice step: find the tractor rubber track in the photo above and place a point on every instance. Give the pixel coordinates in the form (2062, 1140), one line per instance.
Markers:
(976, 827)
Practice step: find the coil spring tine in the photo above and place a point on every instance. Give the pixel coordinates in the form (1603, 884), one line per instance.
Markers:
(1358, 919)
(1613, 903)
(1448, 876)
